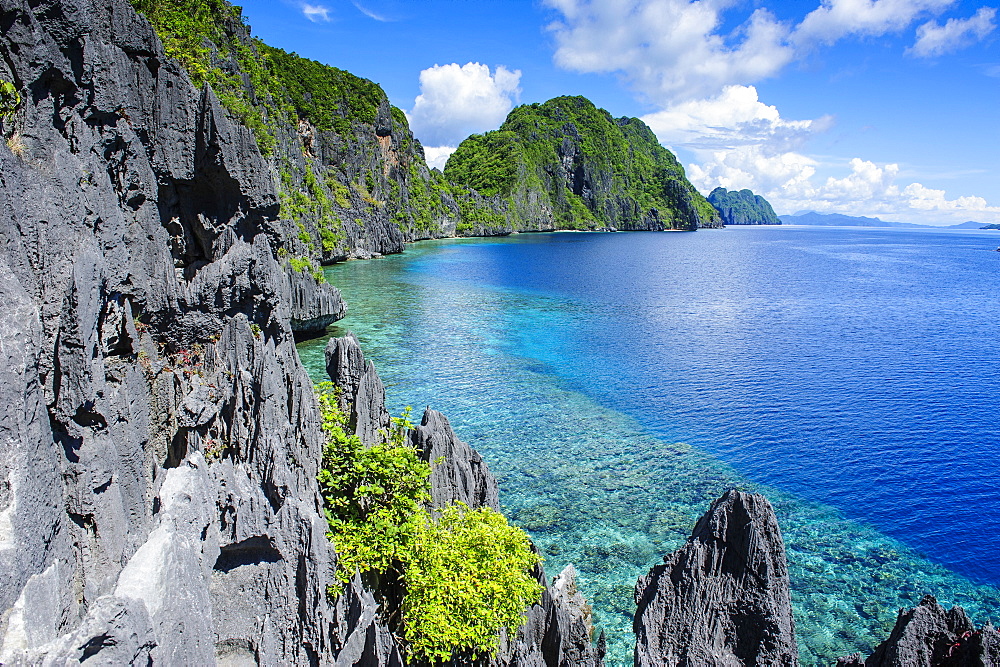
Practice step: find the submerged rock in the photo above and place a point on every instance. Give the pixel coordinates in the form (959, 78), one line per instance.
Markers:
(930, 636)
(723, 598)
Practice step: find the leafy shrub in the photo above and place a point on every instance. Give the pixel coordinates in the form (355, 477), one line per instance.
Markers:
(10, 99)
(467, 573)
(467, 576)
(373, 495)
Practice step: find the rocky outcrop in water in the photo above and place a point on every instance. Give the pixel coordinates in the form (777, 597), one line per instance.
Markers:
(930, 636)
(458, 472)
(723, 598)
(362, 394)
(558, 629)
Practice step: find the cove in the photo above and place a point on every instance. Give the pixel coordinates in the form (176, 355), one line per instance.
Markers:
(617, 383)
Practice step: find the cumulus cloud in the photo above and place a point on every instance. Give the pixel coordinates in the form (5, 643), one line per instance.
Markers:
(316, 13)
(675, 50)
(735, 117)
(755, 168)
(437, 156)
(934, 39)
(835, 19)
(456, 101)
(668, 50)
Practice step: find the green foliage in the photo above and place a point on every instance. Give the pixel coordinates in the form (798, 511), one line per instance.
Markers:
(624, 171)
(486, 162)
(305, 265)
(466, 573)
(467, 576)
(330, 98)
(373, 495)
(10, 99)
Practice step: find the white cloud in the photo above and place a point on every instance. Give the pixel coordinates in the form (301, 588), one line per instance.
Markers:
(735, 117)
(934, 39)
(456, 101)
(835, 19)
(316, 13)
(668, 50)
(677, 55)
(369, 13)
(437, 156)
(754, 168)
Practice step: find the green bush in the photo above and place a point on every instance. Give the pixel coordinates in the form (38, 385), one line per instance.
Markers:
(10, 99)
(467, 576)
(373, 495)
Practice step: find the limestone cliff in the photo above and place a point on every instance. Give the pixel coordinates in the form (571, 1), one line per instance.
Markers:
(723, 598)
(158, 444)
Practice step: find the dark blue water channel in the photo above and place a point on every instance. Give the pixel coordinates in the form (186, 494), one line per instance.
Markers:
(617, 383)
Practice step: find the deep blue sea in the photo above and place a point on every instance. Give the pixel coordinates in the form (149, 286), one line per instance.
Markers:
(618, 382)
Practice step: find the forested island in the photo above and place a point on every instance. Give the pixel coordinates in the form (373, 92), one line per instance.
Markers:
(742, 207)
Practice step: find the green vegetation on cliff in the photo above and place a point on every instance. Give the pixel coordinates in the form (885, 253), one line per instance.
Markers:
(571, 161)
(466, 573)
(351, 174)
(742, 208)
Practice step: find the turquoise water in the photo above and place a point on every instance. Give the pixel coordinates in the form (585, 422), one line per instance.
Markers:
(617, 383)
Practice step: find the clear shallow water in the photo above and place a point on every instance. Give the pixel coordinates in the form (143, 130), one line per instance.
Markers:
(617, 383)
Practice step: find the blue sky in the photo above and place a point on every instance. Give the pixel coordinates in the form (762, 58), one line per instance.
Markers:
(886, 108)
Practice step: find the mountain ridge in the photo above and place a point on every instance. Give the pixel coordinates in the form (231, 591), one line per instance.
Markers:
(813, 218)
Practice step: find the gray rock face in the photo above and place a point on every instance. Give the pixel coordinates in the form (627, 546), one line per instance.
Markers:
(367, 640)
(558, 631)
(362, 394)
(159, 443)
(722, 598)
(929, 636)
(458, 472)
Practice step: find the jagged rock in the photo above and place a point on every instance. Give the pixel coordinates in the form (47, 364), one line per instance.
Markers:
(458, 472)
(722, 598)
(315, 305)
(362, 393)
(929, 636)
(366, 642)
(558, 631)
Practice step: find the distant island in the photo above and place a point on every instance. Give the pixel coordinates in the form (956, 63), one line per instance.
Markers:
(839, 220)
(742, 207)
